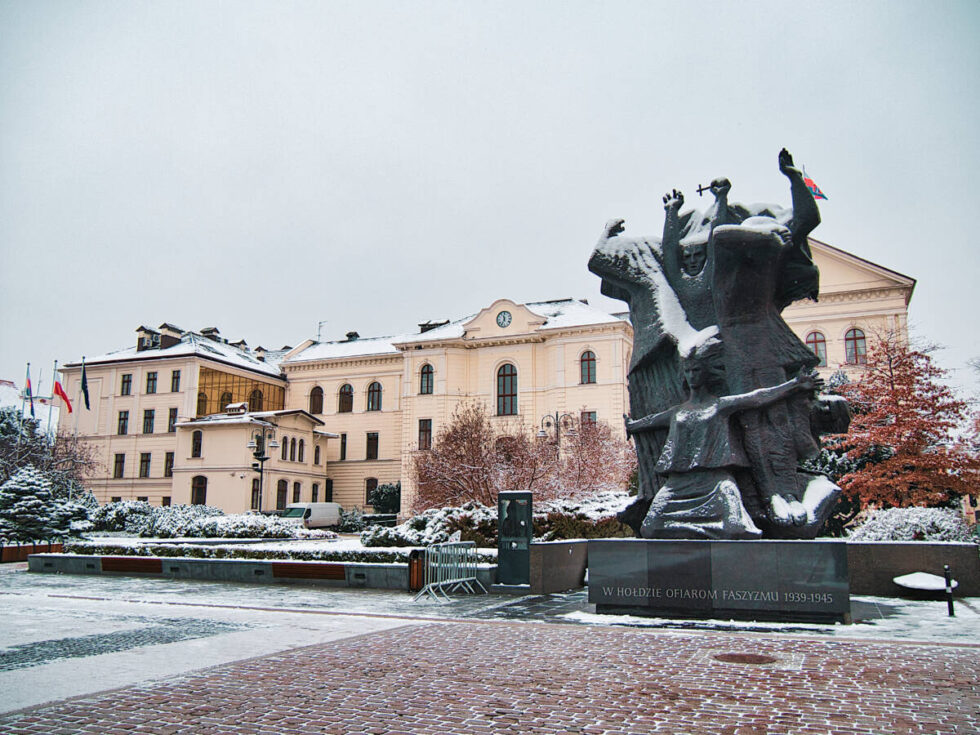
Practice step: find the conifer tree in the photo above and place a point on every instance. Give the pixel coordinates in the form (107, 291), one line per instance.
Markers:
(27, 511)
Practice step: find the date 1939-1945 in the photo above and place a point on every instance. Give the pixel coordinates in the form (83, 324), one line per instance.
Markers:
(811, 597)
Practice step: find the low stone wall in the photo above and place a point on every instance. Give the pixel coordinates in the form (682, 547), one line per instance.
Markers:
(330, 574)
(20, 552)
(873, 565)
(558, 565)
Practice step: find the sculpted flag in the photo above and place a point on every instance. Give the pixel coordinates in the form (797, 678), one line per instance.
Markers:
(814, 189)
(59, 391)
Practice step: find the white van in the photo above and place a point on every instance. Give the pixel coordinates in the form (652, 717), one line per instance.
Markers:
(313, 515)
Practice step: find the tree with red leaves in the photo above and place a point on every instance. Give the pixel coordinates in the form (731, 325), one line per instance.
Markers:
(902, 432)
(472, 460)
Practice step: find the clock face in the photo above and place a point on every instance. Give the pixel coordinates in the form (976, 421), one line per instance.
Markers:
(503, 319)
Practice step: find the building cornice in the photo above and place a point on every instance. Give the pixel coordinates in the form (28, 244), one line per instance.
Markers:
(343, 362)
(176, 358)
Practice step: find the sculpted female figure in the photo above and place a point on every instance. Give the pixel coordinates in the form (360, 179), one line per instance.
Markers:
(700, 498)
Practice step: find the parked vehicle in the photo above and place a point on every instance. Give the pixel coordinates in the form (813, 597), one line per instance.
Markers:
(313, 515)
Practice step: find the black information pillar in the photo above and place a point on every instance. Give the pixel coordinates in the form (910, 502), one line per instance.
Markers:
(514, 538)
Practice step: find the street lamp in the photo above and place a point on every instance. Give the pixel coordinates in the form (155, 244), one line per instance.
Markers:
(558, 422)
(262, 438)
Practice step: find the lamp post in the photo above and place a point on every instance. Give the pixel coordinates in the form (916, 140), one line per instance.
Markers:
(555, 422)
(262, 437)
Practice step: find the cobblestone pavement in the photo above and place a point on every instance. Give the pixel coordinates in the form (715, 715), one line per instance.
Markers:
(480, 677)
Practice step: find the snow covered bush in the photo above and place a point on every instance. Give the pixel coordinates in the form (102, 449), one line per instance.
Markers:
(351, 521)
(131, 516)
(914, 524)
(174, 521)
(252, 525)
(593, 517)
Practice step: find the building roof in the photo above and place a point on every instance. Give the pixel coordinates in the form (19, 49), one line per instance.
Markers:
(194, 344)
(252, 417)
(558, 314)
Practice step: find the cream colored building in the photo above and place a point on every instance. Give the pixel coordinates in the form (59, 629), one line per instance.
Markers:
(367, 404)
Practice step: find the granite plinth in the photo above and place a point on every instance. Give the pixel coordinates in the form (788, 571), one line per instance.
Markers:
(756, 580)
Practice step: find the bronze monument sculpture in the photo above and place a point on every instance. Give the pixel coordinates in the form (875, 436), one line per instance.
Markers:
(722, 392)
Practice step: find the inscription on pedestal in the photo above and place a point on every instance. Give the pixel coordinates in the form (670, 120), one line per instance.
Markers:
(791, 580)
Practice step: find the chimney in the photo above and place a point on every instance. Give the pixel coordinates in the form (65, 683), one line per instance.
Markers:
(353, 336)
(430, 325)
(147, 339)
(169, 335)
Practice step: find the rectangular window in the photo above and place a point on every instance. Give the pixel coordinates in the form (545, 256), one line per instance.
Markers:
(328, 490)
(425, 433)
(165, 500)
(143, 498)
(148, 415)
(122, 425)
(370, 485)
(144, 464)
(588, 417)
(255, 494)
(315, 493)
(116, 499)
(119, 466)
(172, 421)
(126, 386)
(174, 381)
(372, 445)
(296, 492)
(343, 446)
(168, 464)
(151, 382)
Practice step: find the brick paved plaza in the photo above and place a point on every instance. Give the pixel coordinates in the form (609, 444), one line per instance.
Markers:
(483, 677)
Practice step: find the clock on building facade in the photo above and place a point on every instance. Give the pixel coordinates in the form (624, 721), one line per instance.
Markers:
(503, 319)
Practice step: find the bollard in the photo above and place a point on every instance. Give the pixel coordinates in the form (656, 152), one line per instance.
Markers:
(949, 591)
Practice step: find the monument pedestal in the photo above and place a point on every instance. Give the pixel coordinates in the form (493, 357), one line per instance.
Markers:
(805, 581)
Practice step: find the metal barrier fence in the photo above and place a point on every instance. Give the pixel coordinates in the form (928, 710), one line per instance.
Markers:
(449, 567)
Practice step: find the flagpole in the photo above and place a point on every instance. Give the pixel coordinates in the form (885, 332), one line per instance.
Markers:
(23, 399)
(78, 397)
(51, 404)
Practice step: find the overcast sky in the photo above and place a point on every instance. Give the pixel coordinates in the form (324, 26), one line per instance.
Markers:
(263, 166)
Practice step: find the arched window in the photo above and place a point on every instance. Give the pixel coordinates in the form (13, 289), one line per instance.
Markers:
(507, 390)
(855, 347)
(316, 400)
(316, 454)
(255, 400)
(197, 443)
(370, 485)
(818, 344)
(297, 489)
(587, 363)
(374, 397)
(225, 400)
(199, 490)
(425, 380)
(292, 449)
(285, 448)
(202, 404)
(301, 451)
(345, 400)
(282, 487)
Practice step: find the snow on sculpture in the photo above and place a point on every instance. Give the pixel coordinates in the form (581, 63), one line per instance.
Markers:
(714, 285)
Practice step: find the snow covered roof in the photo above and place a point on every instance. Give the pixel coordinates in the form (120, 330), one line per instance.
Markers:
(254, 417)
(193, 344)
(558, 314)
